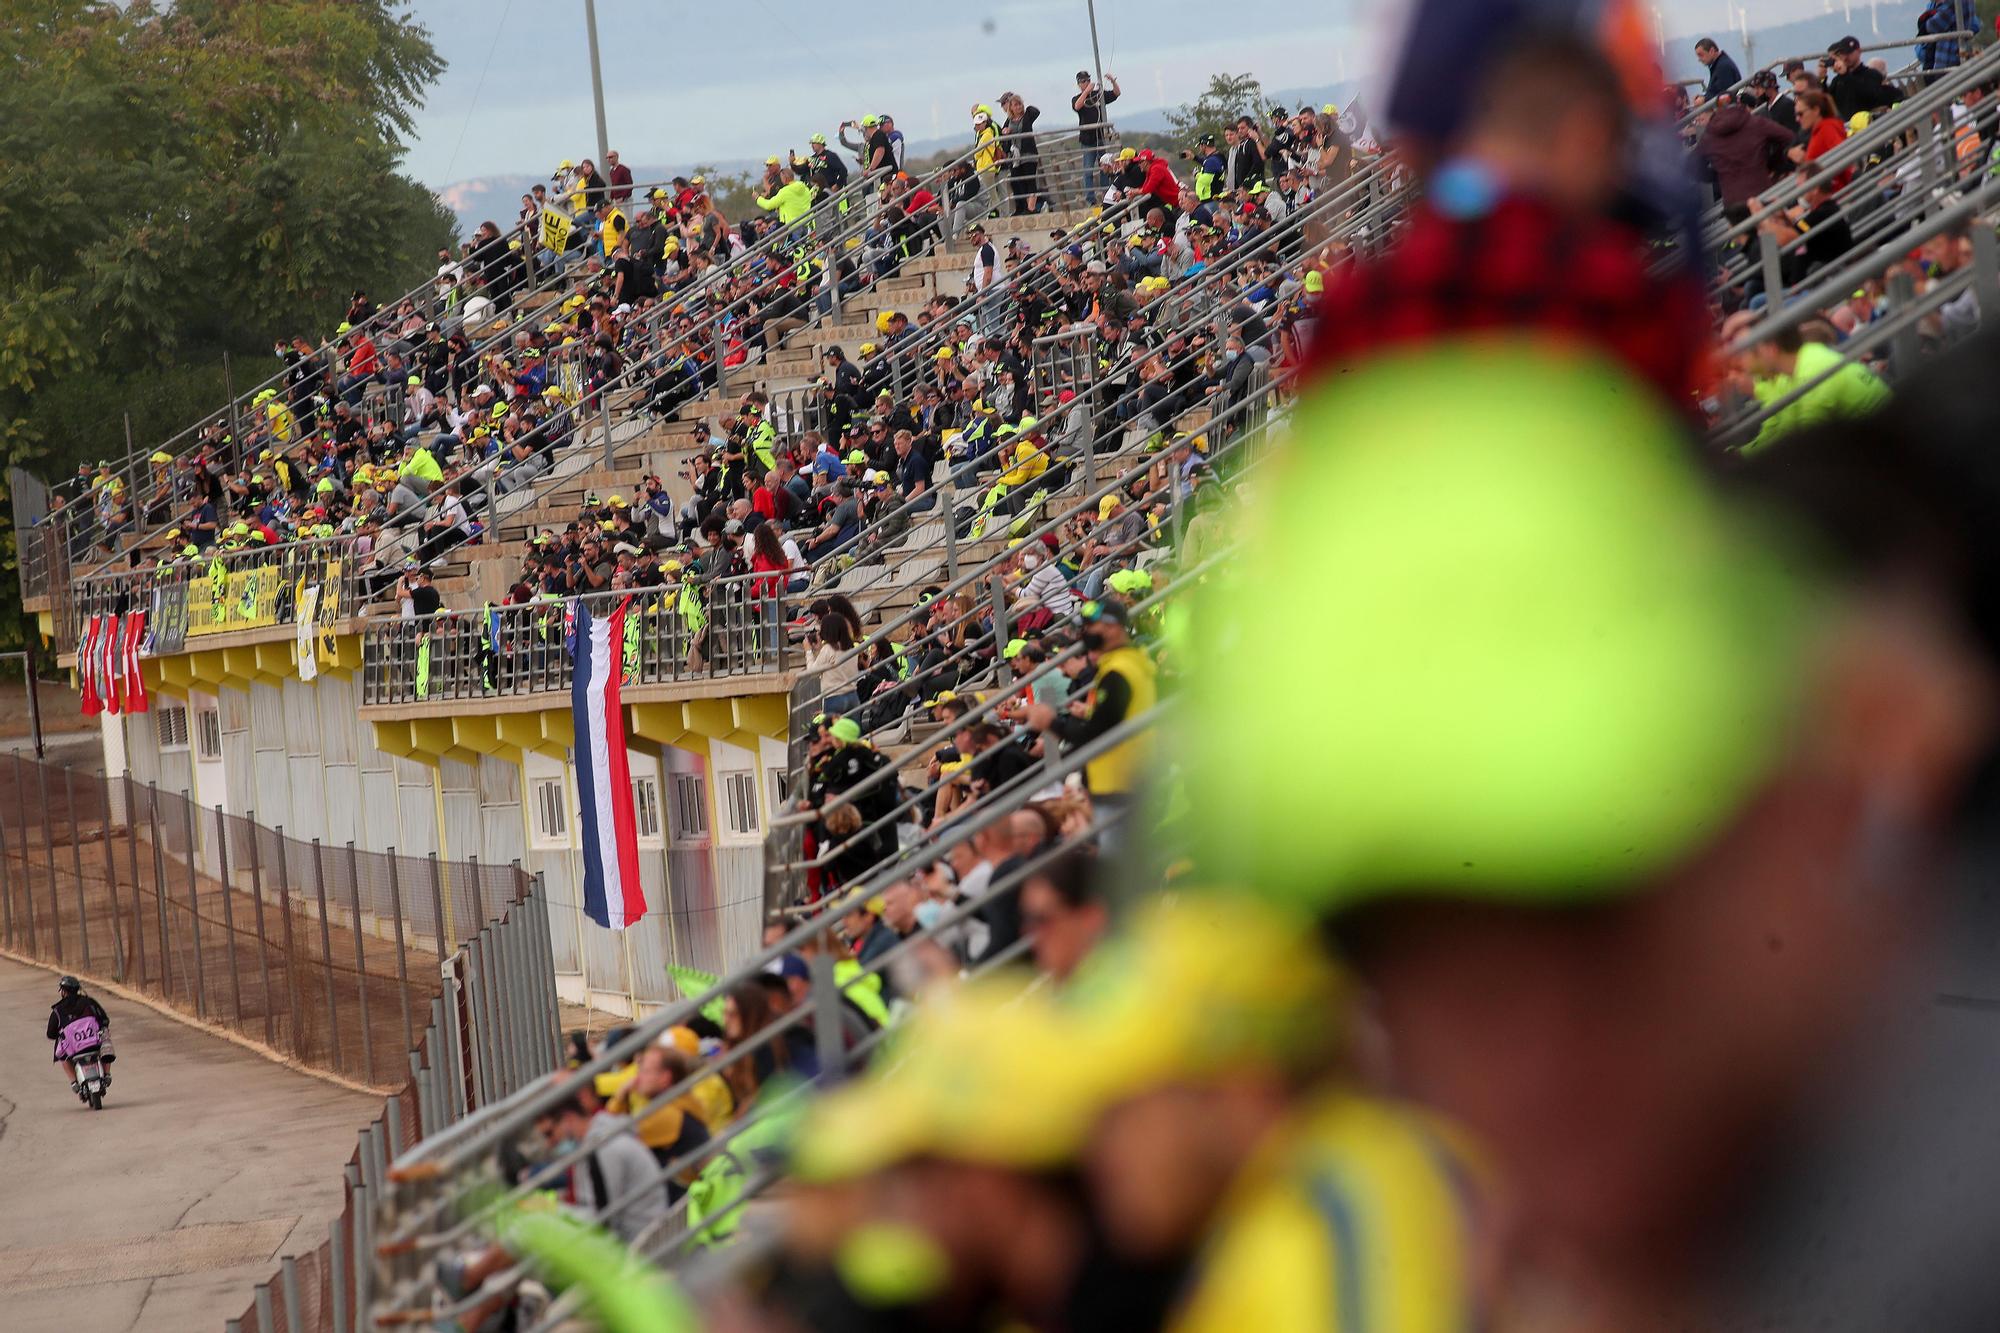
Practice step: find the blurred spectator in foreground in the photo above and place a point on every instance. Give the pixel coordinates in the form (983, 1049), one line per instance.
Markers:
(1696, 883)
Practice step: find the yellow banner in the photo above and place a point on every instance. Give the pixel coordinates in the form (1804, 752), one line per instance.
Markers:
(556, 227)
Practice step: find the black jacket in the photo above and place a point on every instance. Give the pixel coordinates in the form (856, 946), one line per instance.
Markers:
(1722, 76)
(1861, 89)
(72, 1007)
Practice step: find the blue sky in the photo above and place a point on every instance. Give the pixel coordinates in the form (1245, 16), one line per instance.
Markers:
(752, 77)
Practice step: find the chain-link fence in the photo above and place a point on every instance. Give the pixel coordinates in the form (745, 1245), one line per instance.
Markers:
(433, 978)
(325, 954)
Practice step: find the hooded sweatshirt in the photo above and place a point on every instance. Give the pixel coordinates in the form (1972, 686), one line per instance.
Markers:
(1738, 145)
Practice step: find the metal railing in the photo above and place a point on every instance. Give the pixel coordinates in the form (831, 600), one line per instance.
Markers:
(258, 587)
(683, 632)
(1697, 108)
(1900, 334)
(1915, 113)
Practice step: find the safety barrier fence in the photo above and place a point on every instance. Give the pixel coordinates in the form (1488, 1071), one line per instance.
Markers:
(442, 1195)
(492, 1028)
(433, 978)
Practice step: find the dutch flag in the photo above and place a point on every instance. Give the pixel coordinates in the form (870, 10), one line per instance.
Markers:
(612, 895)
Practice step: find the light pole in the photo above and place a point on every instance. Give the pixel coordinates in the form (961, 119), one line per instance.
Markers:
(1096, 60)
(596, 82)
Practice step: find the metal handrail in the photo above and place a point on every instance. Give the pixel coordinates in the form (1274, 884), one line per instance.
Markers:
(1695, 109)
(165, 589)
(1363, 185)
(518, 648)
(648, 326)
(1905, 115)
(1388, 202)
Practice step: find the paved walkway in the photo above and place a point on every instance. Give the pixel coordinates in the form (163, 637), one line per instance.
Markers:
(160, 1212)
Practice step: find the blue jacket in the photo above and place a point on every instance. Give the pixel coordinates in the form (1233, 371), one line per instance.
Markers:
(1944, 16)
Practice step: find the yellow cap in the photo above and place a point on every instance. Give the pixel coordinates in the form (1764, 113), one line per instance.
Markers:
(1315, 282)
(1127, 154)
(980, 1074)
(1107, 504)
(162, 456)
(1162, 1003)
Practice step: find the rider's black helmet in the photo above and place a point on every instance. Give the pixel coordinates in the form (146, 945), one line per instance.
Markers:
(69, 985)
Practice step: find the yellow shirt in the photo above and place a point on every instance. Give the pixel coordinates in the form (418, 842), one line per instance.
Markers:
(1357, 1215)
(1120, 768)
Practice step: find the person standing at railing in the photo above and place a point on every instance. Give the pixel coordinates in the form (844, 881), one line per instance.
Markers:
(1723, 74)
(1939, 17)
(1853, 84)
(1025, 160)
(1089, 105)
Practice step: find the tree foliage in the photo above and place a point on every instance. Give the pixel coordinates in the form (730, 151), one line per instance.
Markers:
(1228, 98)
(181, 180)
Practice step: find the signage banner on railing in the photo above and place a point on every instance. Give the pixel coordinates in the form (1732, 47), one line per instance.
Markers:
(308, 647)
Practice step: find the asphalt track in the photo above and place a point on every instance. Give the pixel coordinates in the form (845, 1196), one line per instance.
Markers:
(160, 1212)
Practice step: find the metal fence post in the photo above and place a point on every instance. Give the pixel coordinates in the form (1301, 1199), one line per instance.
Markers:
(326, 955)
(111, 881)
(263, 939)
(484, 1082)
(288, 1277)
(402, 953)
(49, 848)
(291, 949)
(478, 897)
(947, 506)
(1986, 268)
(160, 890)
(364, 1229)
(336, 1236)
(437, 908)
(138, 914)
(7, 884)
(27, 871)
(1905, 345)
(76, 862)
(1771, 268)
(998, 595)
(228, 908)
(194, 912)
(545, 963)
(827, 1037)
(360, 964)
(420, 1082)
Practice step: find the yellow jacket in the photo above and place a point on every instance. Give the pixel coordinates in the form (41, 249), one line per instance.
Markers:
(1121, 768)
(1030, 461)
(1358, 1214)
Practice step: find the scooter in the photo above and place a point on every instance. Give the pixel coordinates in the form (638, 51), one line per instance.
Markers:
(88, 1049)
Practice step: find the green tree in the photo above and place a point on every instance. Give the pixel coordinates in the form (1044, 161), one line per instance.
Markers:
(181, 181)
(1229, 98)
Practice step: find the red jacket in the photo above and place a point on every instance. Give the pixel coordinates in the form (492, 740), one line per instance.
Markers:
(1160, 183)
(1828, 135)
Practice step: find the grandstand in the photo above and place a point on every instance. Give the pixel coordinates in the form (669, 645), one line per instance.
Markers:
(880, 720)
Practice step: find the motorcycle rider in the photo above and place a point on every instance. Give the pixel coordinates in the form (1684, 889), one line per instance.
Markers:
(71, 1005)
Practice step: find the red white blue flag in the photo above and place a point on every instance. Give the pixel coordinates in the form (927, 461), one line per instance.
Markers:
(612, 895)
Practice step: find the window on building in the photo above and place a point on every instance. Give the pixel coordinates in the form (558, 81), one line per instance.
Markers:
(690, 808)
(170, 726)
(646, 808)
(551, 813)
(739, 798)
(780, 780)
(207, 734)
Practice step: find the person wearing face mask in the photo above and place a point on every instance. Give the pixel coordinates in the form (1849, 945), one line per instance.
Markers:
(1125, 686)
(1043, 595)
(617, 1167)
